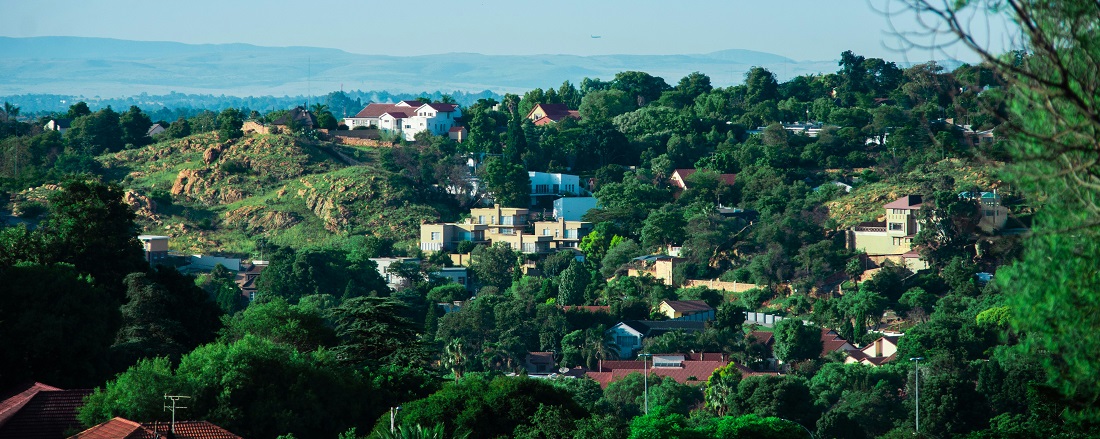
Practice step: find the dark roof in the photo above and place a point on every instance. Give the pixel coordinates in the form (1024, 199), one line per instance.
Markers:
(375, 110)
(62, 122)
(831, 341)
(728, 179)
(397, 114)
(119, 428)
(908, 202)
(657, 327)
(445, 108)
(554, 113)
(763, 337)
(692, 306)
(297, 114)
(40, 411)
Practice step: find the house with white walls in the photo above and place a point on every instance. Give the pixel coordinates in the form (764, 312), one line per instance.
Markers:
(407, 117)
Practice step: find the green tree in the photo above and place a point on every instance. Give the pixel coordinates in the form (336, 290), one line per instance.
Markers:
(300, 326)
(230, 121)
(508, 182)
(179, 129)
(663, 227)
(135, 127)
(796, 341)
(96, 133)
(604, 105)
(572, 284)
(165, 314)
(137, 393)
(372, 331)
(493, 265)
(49, 312)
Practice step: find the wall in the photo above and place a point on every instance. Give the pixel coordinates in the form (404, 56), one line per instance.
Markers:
(731, 287)
(573, 208)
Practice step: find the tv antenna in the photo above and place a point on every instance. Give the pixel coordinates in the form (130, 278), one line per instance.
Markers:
(173, 407)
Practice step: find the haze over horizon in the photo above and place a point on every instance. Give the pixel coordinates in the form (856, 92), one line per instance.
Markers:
(803, 30)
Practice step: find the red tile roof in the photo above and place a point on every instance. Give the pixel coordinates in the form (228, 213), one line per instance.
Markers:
(457, 128)
(554, 113)
(763, 337)
(37, 410)
(831, 342)
(694, 369)
(119, 428)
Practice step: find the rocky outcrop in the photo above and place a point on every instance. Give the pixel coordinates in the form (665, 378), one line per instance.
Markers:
(141, 205)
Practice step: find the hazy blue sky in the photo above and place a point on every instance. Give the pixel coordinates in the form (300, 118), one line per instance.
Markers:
(798, 29)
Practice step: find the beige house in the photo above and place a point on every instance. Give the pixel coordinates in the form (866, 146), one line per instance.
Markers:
(155, 247)
(544, 114)
(500, 220)
(891, 238)
(446, 236)
(524, 243)
(686, 310)
(994, 215)
(661, 267)
(565, 234)
(878, 352)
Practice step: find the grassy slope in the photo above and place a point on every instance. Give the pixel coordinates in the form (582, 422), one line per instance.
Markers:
(865, 201)
(270, 187)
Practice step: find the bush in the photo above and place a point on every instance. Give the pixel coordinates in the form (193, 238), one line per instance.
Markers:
(31, 209)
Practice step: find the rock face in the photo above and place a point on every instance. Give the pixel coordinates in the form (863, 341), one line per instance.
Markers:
(142, 205)
(212, 153)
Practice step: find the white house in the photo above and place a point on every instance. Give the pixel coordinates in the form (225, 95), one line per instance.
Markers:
(545, 184)
(408, 118)
(573, 208)
(393, 281)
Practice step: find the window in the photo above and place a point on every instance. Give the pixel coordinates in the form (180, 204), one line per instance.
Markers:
(251, 296)
(541, 188)
(988, 213)
(625, 341)
(481, 219)
(435, 236)
(895, 226)
(545, 232)
(462, 280)
(897, 211)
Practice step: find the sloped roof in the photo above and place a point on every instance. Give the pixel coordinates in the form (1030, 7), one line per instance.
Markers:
(908, 202)
(554, 113)
(688, 306)
(396, 114)
(658, 327)
(456, 129)
(700, 370)
(763, 337)
(47, 414)
(831, 342)
(15, 398)
(374, 110)
(297, 114)
(443, 108)
(728, 179)
(119, 428)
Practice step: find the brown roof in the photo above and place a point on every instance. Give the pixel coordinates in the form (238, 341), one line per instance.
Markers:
(831, 341)
(375, 110)
(40, 411)
(298, 114)
(692, 306)
(908, 202)
(119, 428)
(763, 337)
(554, 113)
(457, 129)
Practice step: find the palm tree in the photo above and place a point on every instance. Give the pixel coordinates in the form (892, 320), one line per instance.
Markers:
(418, 432)
(318, 108)
(454, 358)
(11, 111)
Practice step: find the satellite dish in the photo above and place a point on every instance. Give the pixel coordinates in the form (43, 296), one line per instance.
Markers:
(563, 369)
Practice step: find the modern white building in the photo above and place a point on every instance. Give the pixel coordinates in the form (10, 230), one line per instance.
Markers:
(573, 208)
(407, 117)
(545, 184)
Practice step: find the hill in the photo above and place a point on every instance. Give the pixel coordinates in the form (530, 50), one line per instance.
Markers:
(108, 67)
(213, 195)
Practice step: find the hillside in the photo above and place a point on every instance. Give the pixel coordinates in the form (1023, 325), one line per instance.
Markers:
(210, 195)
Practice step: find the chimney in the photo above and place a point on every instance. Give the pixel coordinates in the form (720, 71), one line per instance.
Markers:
(878, 347)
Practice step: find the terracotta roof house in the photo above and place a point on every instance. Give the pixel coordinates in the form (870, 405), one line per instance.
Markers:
(119, 428)
(832, 342)
(679, 178)
(39, 411)
(687, 310)
(544, 114)
(408, 118)
(881, 351)
(691, 369)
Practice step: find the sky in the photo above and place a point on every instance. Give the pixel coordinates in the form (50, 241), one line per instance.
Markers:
(802, 30)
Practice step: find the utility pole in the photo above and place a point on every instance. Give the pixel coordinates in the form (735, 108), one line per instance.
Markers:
(173, 407)
(645, 365)
(916, 377)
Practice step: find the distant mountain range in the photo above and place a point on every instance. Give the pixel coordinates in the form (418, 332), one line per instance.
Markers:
(110, 68)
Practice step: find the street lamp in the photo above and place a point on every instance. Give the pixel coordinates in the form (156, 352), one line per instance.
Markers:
(916, 377)
(645, 366)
